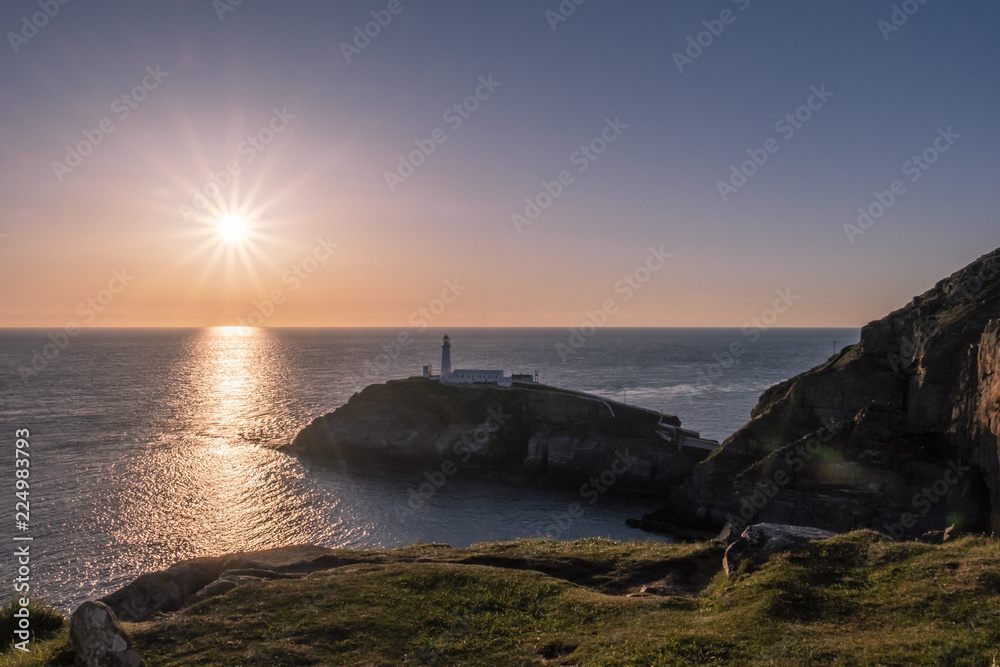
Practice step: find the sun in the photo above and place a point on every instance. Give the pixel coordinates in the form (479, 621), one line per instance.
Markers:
(232, 229)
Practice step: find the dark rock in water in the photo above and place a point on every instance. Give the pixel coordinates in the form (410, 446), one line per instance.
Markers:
(759, 542)
(899, 433)
(526, 431)
(99, 640)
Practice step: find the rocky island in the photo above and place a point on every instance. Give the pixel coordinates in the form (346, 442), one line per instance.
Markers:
(523, 431)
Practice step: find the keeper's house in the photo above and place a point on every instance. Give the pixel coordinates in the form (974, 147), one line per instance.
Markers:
(473, 376)
(470, 376)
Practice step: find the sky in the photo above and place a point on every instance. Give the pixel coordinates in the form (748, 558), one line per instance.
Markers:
(527, 163)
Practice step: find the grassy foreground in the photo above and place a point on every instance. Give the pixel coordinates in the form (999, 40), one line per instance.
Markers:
(857, 599)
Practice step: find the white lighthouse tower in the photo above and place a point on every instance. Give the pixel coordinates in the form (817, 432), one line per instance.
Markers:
(446, 357)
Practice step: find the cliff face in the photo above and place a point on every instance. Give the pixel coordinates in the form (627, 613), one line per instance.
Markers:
(898, 433)
(977, 415)
(527, 430)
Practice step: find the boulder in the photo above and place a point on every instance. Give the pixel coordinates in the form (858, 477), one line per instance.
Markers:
(163, 592)
(99, 639)
(759, 542)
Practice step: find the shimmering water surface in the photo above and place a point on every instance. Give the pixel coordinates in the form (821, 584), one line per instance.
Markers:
(150, 446)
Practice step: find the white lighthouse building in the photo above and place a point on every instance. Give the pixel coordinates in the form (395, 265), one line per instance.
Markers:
(472, 376)
(446, 357)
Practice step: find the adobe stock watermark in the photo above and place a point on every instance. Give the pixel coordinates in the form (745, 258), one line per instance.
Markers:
(751, 331)
(925, 327)
(30, 25)
(565, 9)
(786, 126)
(591, 491)
(454, 116)
(626, 288)
(795, 460)
(88, 309)
(581, 158)
(470, 444)
(972, 286)
(363, 35)
(914, 168)
(223, 7)
(928, 327)
(295, 276)
(248, 151)
(121, 108)
(420, 320)
(698, 43)
(899, 17)
(924, 500)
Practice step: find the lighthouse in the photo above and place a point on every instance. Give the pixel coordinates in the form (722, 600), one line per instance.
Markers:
(446, 356)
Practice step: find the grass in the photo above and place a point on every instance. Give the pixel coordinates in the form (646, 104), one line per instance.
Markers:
(50, 635)
(55, 652)
(857, 599)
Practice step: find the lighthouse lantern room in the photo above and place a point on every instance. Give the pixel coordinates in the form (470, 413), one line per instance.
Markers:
(446, 356)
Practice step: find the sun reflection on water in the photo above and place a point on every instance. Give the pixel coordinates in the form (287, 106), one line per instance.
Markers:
(232, 331)
(215, 489)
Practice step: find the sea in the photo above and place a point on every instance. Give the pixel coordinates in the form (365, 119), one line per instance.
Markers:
(151, 446)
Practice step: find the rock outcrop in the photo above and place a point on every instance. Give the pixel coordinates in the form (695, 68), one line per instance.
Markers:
(99, 639)
(761, 541)
(899, 433)
(528, 430)
(193, 580)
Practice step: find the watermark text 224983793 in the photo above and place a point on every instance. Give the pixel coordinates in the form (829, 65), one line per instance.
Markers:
(22, 517)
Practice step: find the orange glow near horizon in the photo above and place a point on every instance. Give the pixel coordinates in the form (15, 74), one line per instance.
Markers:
(272, 183)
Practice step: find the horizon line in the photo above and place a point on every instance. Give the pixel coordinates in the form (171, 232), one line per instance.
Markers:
(398, 328)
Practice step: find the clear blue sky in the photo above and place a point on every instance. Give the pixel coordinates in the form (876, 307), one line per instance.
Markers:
(656, 185)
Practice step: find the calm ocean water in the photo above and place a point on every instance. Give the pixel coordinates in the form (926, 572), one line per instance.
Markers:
(150, 446)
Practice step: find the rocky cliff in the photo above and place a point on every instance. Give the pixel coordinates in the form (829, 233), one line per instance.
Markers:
(528, 430)
(900, 433)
